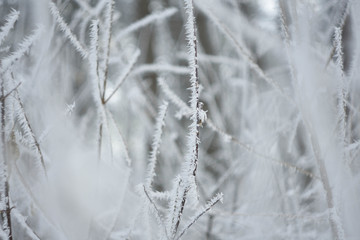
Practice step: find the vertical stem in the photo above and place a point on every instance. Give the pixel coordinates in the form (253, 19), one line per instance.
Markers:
(198, 121)
(192, 157)
(6, 216)
(107, 49)
(336, 228)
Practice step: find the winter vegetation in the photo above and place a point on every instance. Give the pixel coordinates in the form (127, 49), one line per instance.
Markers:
(191, 119)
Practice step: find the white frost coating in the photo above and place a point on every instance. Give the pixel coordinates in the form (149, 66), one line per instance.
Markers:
(160, 123)
(107, 23)
(188, 172)
(146, 21)
(183, 107)
(193, 140)
(24, 46)
(202, 211)
(94, 75)
(338, 48)
(106, 38)
(66, 30)
(4, 229)
(334, 218)
(165, 196)
(342, 91)
(173, 205)
(20, 139)
(28, 136)
(93, 61)
(154, 210)
(11, 18)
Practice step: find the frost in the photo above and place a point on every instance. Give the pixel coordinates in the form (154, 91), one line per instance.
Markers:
(334, 218)
(11, 18)
(66, 30)
(145, 21)
(160, 122)
(24, 47)
(70, 108)
(136, 120)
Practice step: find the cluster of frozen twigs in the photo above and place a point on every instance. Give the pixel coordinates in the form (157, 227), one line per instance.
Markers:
(99, 141)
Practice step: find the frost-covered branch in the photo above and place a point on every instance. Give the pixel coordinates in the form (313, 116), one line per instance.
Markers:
(67, 31)
(160, 122)
(188, 174)
(94, 62)
(29, 135)
(335, 221)
(24, 47)
(155, 210)
(183, 107)
(205, 209)
(109, 12)
(4, 170)
(145, 21)
(10, 20)
(342, 92)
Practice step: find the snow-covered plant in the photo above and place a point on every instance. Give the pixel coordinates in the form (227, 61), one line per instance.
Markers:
(192, 119)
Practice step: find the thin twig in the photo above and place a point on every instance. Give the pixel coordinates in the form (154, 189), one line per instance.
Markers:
(341, 24)
(336, 228)
(157, 211)
(145, 21)
(107, 47)
(208, 206)
(36, 143)
(189, 170)
(11, 91)
(6, 216)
